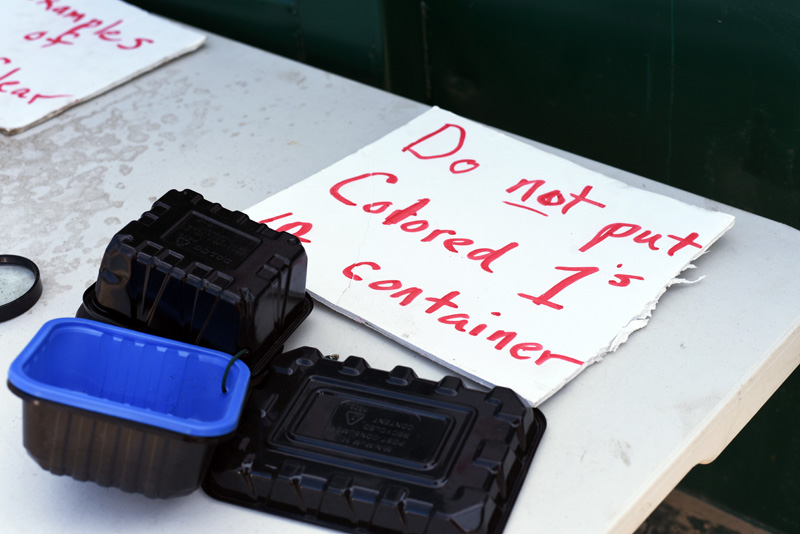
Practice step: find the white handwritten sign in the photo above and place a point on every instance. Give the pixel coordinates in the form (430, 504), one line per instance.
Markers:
(57, 53)
(506, 263)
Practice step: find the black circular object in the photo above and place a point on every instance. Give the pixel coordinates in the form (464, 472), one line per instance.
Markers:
(23, 303)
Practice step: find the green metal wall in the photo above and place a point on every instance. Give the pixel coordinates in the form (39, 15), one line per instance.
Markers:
(341, 36)
(700, 94)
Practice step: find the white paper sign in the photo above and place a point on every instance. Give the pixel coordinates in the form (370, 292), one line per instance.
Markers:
(57, 53)
(501, 261)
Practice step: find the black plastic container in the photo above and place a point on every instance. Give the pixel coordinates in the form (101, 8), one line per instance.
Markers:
(196, 272)
(362, 450)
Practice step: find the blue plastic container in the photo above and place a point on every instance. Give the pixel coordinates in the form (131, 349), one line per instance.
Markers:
(123, 408)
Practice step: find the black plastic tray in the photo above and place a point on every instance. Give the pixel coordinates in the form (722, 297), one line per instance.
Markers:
(362, 450)
(191, 270)
(257, 360)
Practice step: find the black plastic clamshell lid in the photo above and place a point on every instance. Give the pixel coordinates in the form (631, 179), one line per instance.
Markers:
(191, 270)
(363, 450)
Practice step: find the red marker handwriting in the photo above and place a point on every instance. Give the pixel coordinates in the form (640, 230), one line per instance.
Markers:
(544, 298)
(621, 280)
(11, 85)
(297, 228)
(449, 136)
(646, 237)
(441, 308)
(108, 32)
(408, 219)
(550, 198)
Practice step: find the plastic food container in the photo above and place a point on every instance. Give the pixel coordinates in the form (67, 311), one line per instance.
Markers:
(348, 447)
(193, 271)
(125, 409)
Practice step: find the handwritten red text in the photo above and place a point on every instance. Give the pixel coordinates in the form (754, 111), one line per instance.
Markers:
(446, 142)
(85, 25)
(440, 308)
(550, 198)
(622, 280)
(646, 237)
(298, 229)
(399, 217)
(10, 85)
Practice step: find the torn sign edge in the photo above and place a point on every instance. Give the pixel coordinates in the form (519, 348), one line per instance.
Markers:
(643, 318)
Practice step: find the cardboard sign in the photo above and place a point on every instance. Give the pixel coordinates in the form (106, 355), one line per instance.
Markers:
(57, 53)
(500, 261)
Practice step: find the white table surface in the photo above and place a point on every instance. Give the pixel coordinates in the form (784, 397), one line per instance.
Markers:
(237, 125)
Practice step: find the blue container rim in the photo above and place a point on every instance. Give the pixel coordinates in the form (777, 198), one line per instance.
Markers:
(237, 382)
